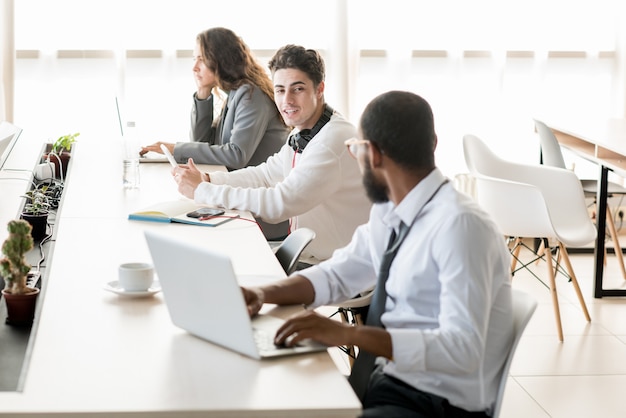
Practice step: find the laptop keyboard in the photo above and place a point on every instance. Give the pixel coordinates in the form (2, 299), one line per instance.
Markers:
(265, 340)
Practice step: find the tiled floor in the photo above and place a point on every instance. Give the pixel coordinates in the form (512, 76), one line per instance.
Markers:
(582, 377)
(585, 375)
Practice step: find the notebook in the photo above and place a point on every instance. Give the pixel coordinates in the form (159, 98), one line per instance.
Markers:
(178, 211)
(8, 137)
(203, 297)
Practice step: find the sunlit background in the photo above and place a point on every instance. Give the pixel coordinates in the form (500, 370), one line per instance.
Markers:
(486, 67)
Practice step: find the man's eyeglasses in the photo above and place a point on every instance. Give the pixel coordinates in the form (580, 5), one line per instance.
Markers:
(353, 145)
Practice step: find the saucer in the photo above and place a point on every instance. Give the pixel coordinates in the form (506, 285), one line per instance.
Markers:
(114, 287)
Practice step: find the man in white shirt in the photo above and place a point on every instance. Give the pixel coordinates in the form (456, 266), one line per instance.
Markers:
(311, 180)
(445, 320)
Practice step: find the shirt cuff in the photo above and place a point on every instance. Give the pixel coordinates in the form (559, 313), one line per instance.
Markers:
(318, 279)
(218, 177)
(407, 349)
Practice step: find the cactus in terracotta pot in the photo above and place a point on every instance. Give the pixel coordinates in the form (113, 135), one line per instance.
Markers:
(13, 266)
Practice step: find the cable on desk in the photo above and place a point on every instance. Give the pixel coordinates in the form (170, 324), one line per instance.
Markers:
(54, 190)
(32, 183)
(34, 276)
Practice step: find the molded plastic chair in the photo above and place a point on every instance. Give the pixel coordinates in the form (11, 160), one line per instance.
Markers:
(288, 254)
(354, 312)
(523, 308)
(552, 155)
(289, 251)
(533, 201)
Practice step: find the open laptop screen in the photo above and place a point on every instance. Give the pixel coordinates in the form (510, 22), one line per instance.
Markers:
(150, 157)
(8, 137)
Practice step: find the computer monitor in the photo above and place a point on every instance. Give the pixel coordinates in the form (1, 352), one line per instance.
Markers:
(8, 137)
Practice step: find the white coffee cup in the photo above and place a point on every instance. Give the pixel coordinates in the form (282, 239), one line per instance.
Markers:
(136, 277)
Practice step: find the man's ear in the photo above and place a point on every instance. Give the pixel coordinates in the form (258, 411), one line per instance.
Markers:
(320, 90)
(375, 155)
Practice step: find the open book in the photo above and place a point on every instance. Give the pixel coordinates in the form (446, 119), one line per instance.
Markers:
(177, 210)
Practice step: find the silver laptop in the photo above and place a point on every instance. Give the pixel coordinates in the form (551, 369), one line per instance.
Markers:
(203, 297)
(150, 157)
(9, 134)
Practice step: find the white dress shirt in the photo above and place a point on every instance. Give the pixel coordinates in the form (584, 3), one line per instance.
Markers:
(448, 308)
(320, 188)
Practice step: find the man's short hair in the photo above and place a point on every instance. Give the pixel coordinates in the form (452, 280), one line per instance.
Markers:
(308, 61)
(401, 125)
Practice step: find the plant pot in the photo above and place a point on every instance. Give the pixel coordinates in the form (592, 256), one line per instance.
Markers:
(21, 308)
(39, 224)
(59, 167)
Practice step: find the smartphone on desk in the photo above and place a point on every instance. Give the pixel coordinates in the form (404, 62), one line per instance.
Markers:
(205, 213)
(169, 156)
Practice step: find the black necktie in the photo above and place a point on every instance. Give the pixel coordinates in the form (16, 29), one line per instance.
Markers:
(364, 363)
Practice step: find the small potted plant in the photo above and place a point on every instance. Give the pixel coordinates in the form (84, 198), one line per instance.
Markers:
(35, 211)
(60, 154)
(20, 299)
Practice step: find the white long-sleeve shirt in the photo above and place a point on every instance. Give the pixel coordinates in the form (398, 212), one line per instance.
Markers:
(320, 188)
(448, 308)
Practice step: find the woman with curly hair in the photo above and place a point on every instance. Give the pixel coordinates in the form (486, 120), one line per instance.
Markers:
(250, 128)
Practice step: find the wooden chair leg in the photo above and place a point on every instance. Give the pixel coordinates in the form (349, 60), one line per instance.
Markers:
(558, 257)
(539, 250)
(517, 247)
(616, 245)
(555, 298)
(568, 264)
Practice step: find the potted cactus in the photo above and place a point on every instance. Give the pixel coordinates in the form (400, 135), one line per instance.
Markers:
(60, 155)
(35, 211)
(20, 299)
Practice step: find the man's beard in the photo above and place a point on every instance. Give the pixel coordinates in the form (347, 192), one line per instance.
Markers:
(376, 191)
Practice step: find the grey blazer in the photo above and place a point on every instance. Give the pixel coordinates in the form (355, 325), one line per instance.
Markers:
(250, 130)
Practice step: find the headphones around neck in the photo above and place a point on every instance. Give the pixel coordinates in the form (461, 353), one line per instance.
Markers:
(299, 141)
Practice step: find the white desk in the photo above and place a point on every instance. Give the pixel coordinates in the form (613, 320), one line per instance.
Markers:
(15, 177)
(12, 186)
(96, 353)
(604, 143)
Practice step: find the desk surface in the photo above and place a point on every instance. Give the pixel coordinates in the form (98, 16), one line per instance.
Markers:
(98, 353)
(600, 141)
(15, 178)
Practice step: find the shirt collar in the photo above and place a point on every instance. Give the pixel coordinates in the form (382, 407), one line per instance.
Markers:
(415, 200)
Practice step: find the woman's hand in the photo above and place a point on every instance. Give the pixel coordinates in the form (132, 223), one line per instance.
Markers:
(156, 147)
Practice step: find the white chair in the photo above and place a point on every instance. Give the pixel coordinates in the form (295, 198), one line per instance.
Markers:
(533, 201)
(551, 155)
(523, 308)
(289, 251)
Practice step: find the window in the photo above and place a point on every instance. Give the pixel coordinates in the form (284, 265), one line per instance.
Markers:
(487, 66)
